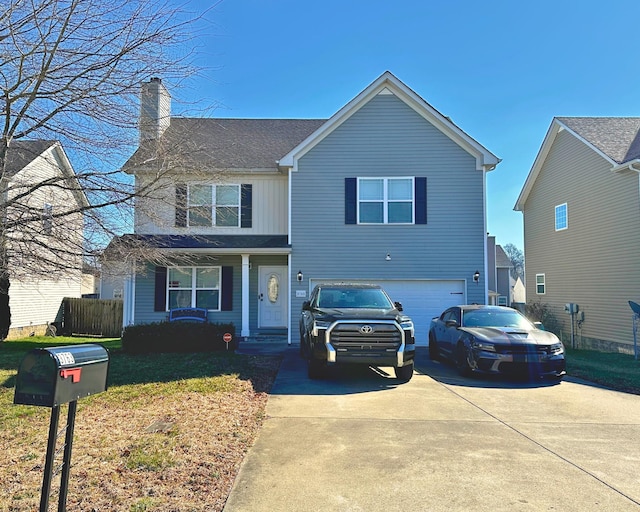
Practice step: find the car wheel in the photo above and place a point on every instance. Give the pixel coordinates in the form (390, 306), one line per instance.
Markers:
(404, 373)
(462, 360)
(315, 368)
(434, 351)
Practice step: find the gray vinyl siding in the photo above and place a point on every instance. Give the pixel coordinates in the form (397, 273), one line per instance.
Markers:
(594, 262)
(387, 138)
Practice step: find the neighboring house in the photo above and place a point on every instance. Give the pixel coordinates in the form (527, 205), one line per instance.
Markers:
(499, 277)
(581, 208)
(387, 190)
(45, 251)
(519, 292)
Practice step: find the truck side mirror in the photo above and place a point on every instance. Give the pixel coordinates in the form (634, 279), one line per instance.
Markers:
(306, 305)
(398, 305)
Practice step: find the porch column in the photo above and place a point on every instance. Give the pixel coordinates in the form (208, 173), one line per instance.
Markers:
(245, 296)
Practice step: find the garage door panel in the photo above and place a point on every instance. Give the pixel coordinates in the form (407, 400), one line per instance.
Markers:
(421, 299)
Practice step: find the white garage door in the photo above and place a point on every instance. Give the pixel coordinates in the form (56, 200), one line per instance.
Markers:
(421, 300)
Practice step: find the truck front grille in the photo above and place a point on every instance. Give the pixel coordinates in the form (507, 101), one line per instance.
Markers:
(365, 336)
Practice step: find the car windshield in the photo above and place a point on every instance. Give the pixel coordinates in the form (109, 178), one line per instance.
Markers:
(495, 318)
(353, 298)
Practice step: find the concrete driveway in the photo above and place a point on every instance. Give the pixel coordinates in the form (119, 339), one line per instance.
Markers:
(359, 441)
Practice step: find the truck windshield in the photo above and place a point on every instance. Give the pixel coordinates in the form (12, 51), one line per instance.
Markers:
(353, 298)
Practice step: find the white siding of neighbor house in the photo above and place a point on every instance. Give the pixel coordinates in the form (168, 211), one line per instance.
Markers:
(35, 300)
(387, 138)
(269, 208)
(595, 262)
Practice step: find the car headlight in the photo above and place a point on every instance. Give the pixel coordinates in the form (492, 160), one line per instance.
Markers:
(483, 345)
(557, 348)
(319, 324)
(407, 325)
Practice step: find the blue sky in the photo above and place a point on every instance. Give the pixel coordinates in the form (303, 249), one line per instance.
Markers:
(500, 69)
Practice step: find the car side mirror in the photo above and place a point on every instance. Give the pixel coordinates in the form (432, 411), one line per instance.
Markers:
(398, 305)
(539, 325)
(306, 306)
(452, 323)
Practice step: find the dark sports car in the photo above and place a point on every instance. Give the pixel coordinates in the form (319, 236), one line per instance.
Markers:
(495, 339)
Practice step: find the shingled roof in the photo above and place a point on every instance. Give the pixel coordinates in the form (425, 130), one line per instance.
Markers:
(616, 137)
(231, 143)
(21, 153)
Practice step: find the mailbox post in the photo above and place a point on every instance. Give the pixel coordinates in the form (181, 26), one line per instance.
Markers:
(51, 377)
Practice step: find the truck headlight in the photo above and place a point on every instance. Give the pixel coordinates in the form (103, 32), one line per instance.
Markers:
(317, 325)
(407, 325)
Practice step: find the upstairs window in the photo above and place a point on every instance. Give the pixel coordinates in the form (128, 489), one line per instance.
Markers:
(540, 284)
(213, 205)
(561, 217)
(385, 201)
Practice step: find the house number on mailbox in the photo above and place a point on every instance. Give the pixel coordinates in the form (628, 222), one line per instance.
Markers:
(273, 288)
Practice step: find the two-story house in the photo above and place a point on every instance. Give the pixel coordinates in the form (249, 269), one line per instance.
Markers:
(255, 212)
(44, 204)
(581, 211)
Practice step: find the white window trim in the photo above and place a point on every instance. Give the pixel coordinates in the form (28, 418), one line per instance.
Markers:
(543, 284)
(214, 223)
(385, 200)
(566, 217)
(193, 285)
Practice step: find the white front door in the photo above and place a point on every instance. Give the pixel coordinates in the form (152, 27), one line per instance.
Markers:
(273, 290)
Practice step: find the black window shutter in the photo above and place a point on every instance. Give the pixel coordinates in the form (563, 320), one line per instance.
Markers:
(246, 205)
(181, 205)
(350, 201)
(420, 184)
(227, 289)
(160, 301)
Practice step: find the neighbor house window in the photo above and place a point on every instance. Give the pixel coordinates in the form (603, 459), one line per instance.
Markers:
(213, 205)
(561, 217)
(47, 219)
(540, 284)
(193, 287)
(385, 201)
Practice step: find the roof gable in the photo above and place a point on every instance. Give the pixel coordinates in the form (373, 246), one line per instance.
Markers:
(387, 83)
(616, 139)
(22, 152)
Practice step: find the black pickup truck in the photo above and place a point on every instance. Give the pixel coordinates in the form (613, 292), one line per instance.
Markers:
(355, 324)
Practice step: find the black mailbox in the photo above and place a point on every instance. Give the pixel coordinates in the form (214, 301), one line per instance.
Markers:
(57, 375)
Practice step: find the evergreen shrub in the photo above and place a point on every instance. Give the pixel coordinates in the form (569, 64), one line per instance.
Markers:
(177, 337)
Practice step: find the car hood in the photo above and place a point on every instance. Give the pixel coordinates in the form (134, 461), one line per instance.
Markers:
(512, 335)
(331, 315)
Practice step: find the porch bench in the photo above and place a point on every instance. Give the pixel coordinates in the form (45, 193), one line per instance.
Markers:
(188, 315)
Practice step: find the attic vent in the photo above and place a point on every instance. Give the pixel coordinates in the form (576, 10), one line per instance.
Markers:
(385, 91)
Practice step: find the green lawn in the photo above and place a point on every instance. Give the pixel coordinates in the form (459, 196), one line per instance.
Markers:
(179, 424)
(616, 371)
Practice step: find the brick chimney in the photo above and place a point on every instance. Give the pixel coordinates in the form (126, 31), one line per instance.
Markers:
(155, 110)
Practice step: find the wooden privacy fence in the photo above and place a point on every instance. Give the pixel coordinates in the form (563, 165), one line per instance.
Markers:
(96, 317)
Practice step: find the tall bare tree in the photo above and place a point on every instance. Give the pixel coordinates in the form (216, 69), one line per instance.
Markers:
(70, 71)
(517, 260)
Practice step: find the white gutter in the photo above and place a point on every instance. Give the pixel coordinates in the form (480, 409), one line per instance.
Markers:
(631, 166)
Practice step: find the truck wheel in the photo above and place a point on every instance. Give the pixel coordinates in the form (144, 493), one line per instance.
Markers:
(315, 368)
(404, 373)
